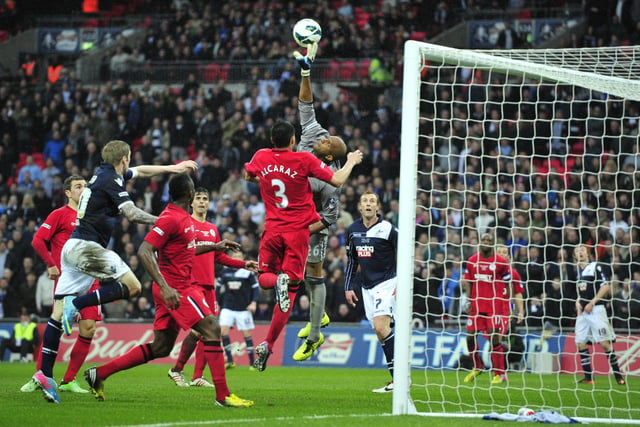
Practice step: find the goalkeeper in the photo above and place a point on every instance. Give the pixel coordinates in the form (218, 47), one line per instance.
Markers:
(330, 149)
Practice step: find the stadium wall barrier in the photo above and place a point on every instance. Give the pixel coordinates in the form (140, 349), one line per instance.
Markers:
(351, 347)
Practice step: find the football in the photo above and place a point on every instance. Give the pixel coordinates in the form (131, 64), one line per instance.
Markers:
(307, 31)
(525, 411)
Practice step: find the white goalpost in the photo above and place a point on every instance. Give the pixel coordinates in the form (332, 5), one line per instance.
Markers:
(541, 149)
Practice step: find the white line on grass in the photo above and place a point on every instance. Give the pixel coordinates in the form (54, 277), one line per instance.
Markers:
(252, 420)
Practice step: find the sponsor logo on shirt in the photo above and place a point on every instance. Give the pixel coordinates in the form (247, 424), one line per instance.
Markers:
(364, 251)
(158, 230)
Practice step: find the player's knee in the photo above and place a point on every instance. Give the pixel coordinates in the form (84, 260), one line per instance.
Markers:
(58, 307)
(161, 349)
(134, 289)
(87, 328)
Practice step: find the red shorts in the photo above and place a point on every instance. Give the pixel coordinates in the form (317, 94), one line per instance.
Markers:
(210, 297)
(486, 322)
(284, 252)
(193, 308)
(93, 312)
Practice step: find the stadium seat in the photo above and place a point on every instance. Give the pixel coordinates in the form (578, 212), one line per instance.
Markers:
(38, 159)
(224, 71)
(363, 68)
(347, 70)
(420, 36)
(362, 20)
(211, 73)
(331, 71)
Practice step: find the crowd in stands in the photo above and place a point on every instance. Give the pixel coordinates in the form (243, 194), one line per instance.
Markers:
(546, 167)
(488, 174)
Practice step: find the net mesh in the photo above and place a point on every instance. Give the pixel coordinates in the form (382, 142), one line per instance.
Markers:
(544, 165)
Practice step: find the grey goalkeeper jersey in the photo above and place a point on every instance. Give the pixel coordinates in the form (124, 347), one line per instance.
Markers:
(325, 195)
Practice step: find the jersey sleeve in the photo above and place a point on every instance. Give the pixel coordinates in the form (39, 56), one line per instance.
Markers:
(311, 129)
(226, 260)
(251, 167)
(44, 235)
(317, 168)
(160, 233)
(516, 282)
(352, 262)
(468, 270)
(117, 193)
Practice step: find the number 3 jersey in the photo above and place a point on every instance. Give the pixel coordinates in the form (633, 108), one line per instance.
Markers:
(284, 186)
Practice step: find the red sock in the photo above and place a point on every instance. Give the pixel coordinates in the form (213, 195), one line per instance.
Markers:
(214, 354)
(198, 368)
(267, 280)
(78, 355)
(497, 360)
(188, 345)
(136, 356)
(279, 321)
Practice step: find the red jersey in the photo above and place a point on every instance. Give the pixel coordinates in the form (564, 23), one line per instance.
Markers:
(54, 231)
(284, 186)
(203, 272)
(485, 275)
(173, 236)
(503, 291)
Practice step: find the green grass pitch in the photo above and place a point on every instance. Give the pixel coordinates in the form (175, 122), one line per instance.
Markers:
(284, 396)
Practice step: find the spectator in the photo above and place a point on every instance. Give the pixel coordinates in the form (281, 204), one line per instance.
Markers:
(30, 168)
(54, 149)
(24, 338)
(508, 38)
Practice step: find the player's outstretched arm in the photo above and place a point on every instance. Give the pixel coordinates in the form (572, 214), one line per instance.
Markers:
(147, 171)
(221, 246)
(306, 93)
(137, 215)
(340, 177)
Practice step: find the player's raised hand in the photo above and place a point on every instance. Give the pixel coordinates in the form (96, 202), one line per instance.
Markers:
(185, 166)
(355, 157)
(306, 60)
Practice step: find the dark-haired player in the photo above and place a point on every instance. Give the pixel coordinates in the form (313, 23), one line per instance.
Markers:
(283, 176)
(167, 254)
(485, 275)
(47, 242)
(203, 275)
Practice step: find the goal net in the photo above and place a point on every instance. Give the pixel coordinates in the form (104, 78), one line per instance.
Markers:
(540, 149)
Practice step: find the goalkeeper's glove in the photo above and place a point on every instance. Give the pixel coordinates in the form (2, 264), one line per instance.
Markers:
(306, 61)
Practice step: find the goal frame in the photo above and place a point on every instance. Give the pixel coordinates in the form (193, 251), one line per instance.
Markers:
(414, 62)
